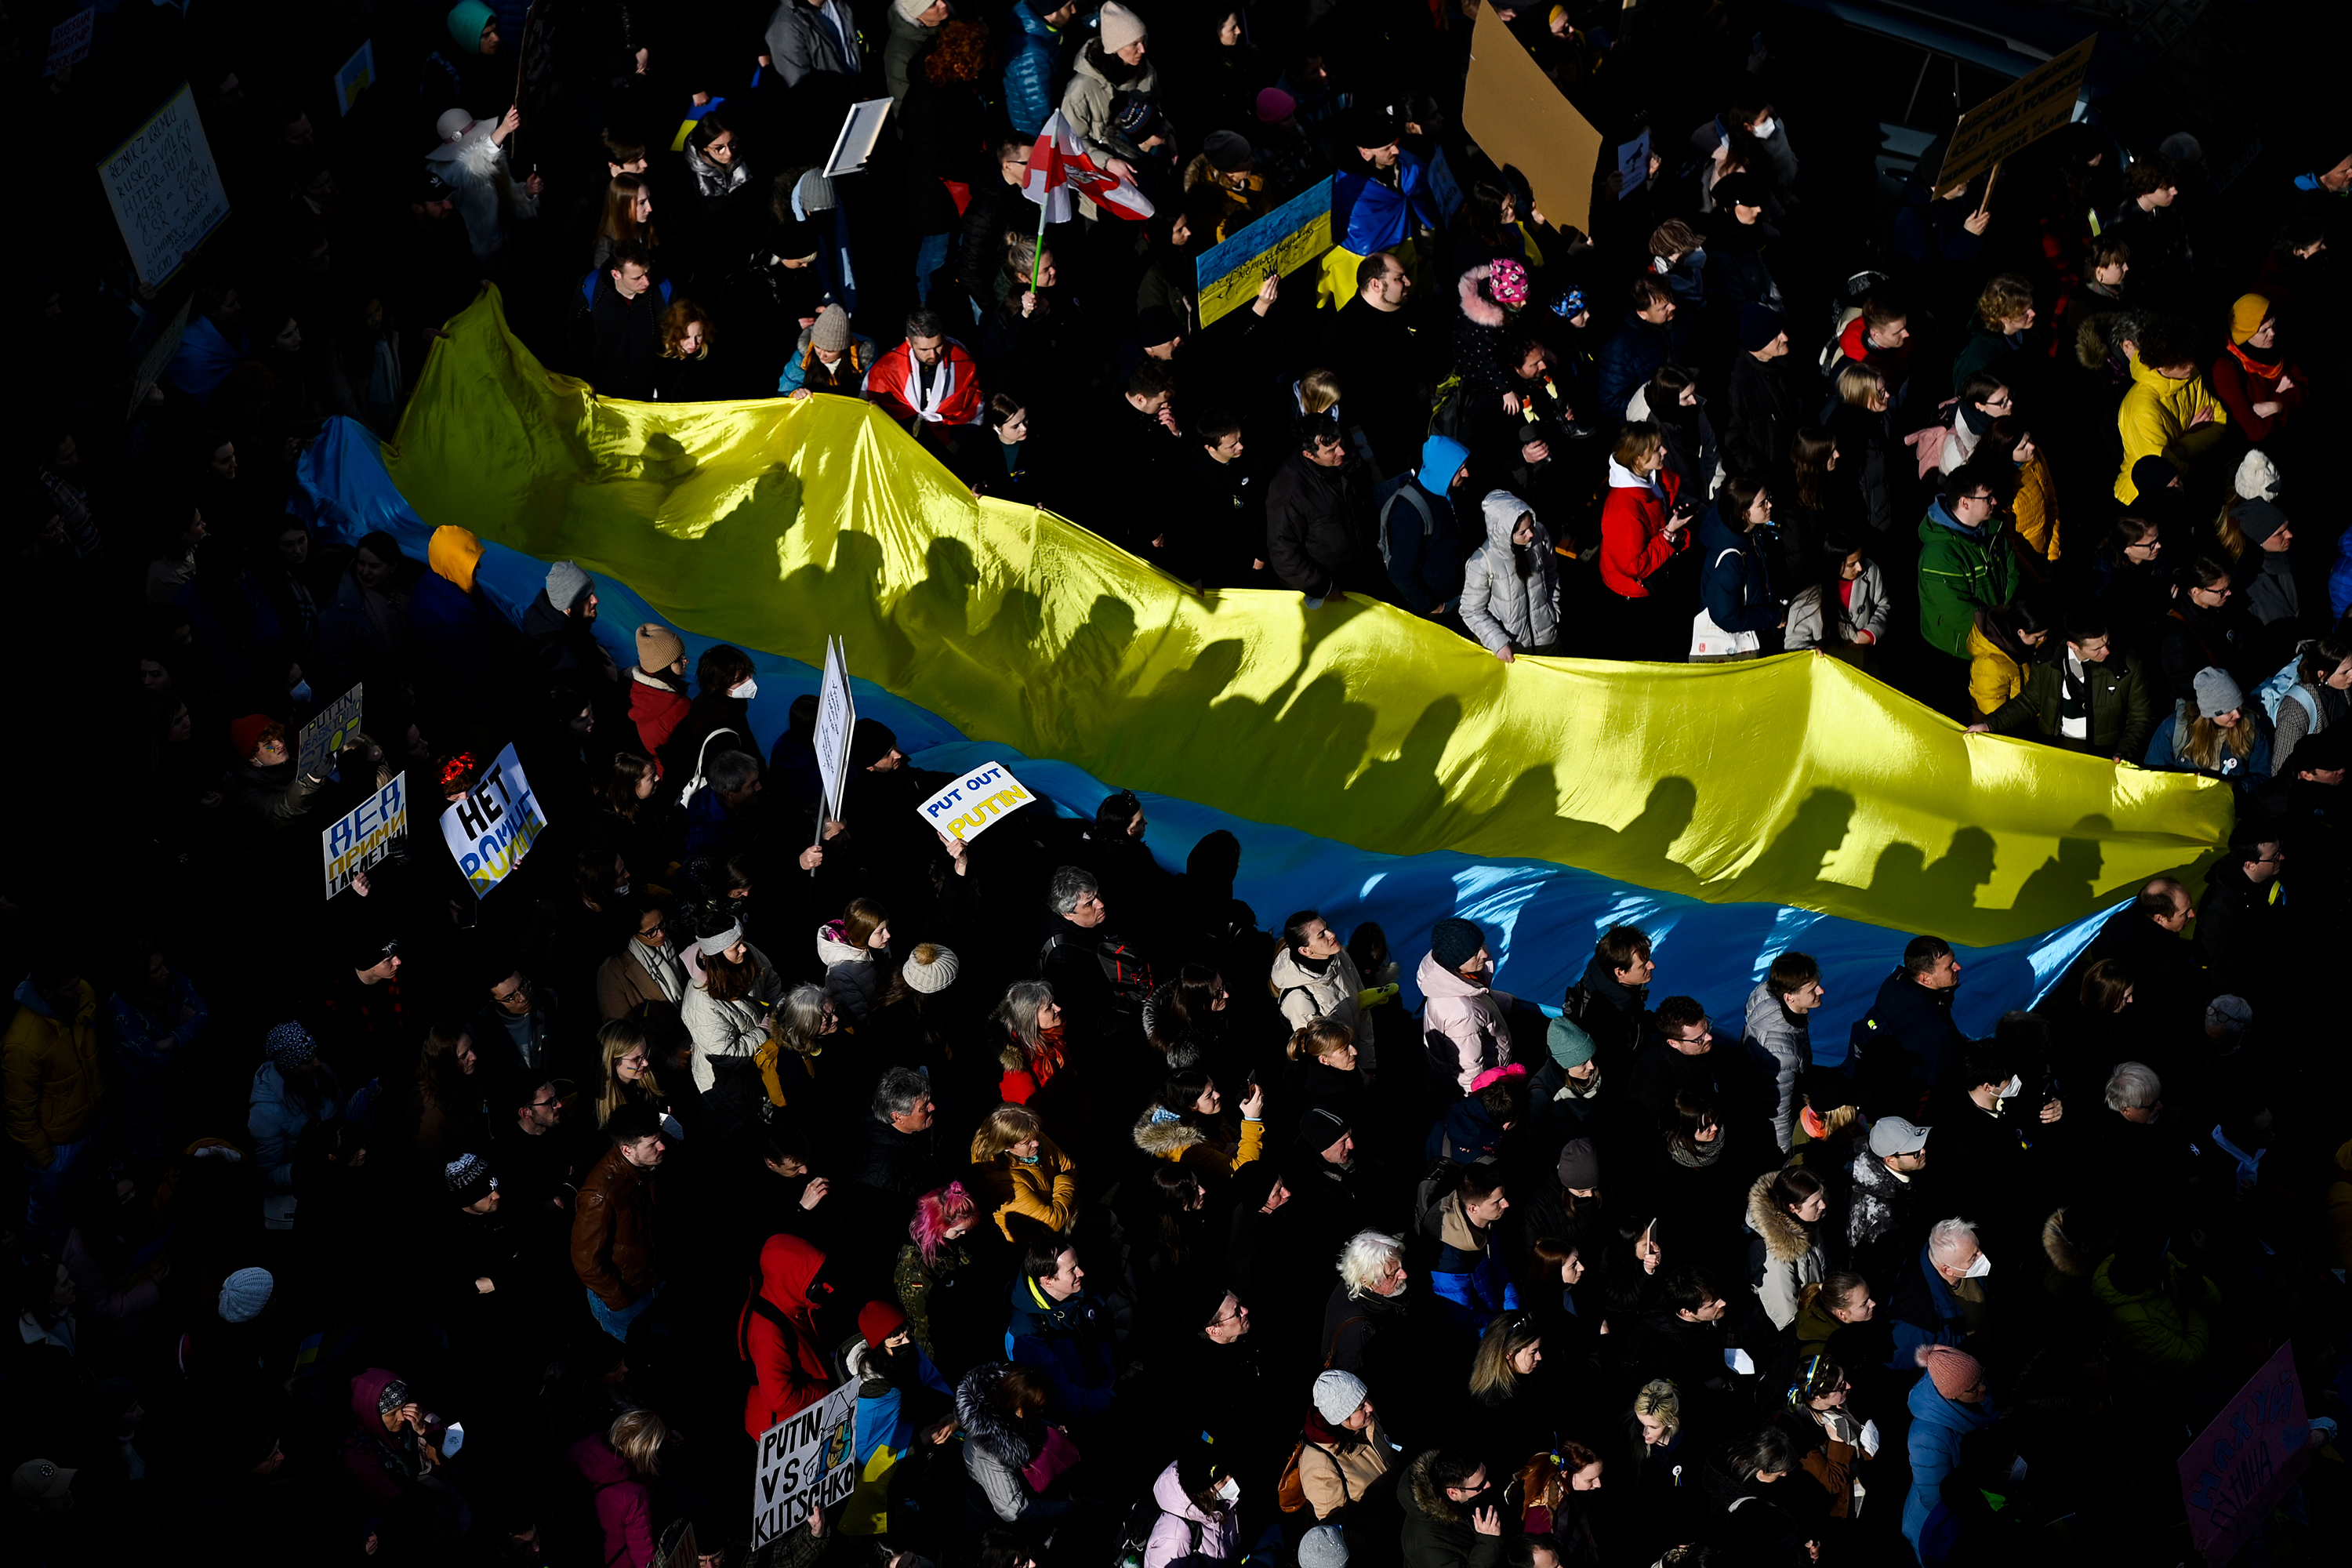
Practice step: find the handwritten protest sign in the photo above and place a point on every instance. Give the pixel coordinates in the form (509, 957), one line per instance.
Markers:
(2241, 1465)
(837, 716)
(324, 736)
(1518, 116)
(2016, 117)
(492, 827)
(806, 1462)
(356, 76)
(364, 837)
(69, 39)
(975, 802)
(1230, 272)
(165, 189)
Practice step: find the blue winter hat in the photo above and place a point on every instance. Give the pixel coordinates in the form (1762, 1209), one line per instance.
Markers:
(1454, 942)
(288, 1046)
(1442, 458)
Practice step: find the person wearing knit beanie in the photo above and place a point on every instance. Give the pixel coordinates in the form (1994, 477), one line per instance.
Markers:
(1325, 1546)
(929, 969)
(2247, 316)
(471, 1185)
(877, 1321)
(1323, 1130)
(1454, 942)
(1337, 1395)
(247, 735)
(245, 1293)
(2257, 476)
(288, 1046)
(830, 333)
(1122, 29)
(567, 585)
(1956, 1374)
(1759, 327)
(1580, 1166)
(1274, 106)
(2218, 693)
(660, 650)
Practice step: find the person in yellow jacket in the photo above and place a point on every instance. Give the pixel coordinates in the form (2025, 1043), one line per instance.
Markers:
(2001, 642)
(2172, 411)
(1185, 1124)
(2160, 1315)
(56, 1090)
(1016, 1170)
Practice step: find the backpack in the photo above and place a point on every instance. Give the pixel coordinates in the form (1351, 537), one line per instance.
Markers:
(2281, 687)
(1385, 498)
(694, 784)
(1290, 1492)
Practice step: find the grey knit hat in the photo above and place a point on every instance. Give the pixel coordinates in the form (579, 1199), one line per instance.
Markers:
(566, 585)
(1337, 1393)
(831, 332)
(2217, 693)
(1325, 1546)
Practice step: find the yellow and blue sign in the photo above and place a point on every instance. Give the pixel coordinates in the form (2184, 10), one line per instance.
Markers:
(492, 825)
(1230, 273)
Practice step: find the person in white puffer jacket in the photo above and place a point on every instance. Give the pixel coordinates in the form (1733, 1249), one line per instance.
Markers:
(1510, 585)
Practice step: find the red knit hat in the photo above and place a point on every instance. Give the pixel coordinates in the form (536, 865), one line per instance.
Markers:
(877, 1321)
(246, 733)
(1953, 1372)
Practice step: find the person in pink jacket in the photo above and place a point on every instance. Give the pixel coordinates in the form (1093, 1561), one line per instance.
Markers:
(615, 1465)
(1199, 1513)
(1465, 1026)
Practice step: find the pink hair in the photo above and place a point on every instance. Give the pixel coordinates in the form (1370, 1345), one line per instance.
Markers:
(934, 1211)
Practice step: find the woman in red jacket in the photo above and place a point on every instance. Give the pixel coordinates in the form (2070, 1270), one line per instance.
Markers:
(1645, 524)
(2254, 380)
(777, 1334)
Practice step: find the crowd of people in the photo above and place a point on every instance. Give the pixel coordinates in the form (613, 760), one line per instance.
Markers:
(436, 1222)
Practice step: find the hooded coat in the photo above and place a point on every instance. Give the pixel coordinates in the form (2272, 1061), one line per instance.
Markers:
(1439, 1531)
(1785, 1254)
(996, 1448)
(1303, 995)
(1962, 570)
(1465, 1028)
(1867, 611)
(276, 1117)
(1418, 531)
(1789, 1047)
(1090, 100)
(1070, 1342)
(1177, 1140)
(2156, 414)
(1938, 1424)
(1185, 1532)
(784, 1356)
(383, 1466)
(1735, 584)
(1470, 1281)
(624, 1505)
(55, 1087)
(1634, 539)
(2162, 1333)
(1511, 593)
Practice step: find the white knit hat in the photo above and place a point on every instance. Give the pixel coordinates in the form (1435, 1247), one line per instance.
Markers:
(2258, 476)
(1337, 1395)
(1120, 27)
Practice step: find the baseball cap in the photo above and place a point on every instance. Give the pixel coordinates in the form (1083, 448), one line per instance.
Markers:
(1891, 1135)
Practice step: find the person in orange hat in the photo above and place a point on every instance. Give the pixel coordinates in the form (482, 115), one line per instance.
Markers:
(2251, 374)
(1950, 1399)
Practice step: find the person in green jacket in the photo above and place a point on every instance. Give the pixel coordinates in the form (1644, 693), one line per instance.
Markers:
(1965, 565)
(2083, 693)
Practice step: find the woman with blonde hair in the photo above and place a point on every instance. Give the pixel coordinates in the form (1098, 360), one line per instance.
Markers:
(625, 1074)
(1324, 1072)
(617, 1464)
(2215, 732)
(1016, 1170)
(1663, 1462)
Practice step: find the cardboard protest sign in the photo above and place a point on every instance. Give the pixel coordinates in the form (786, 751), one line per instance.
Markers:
(492, 827)
(356, 76)
(2241, 1465)
(1229, 273)
(158, 358)
(837, 716)
(70, 40)
(165, 189)
(807, 1461)
(328, 730)
(364, 837)
(975, 802)
(1517, 116)
(1633, 164)
(2016, 117)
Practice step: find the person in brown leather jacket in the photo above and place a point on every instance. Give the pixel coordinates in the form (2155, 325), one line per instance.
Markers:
(615, 1222)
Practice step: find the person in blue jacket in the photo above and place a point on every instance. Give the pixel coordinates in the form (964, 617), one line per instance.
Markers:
(1062, 1332)
(2219, 733)
(1471, 1283)
(1645, 339)
(1736, 575)
(1924, 1309)
(1950, 1399)
(1907, 1038)
(1037, 63)
(1418, 532)
(902, 1398)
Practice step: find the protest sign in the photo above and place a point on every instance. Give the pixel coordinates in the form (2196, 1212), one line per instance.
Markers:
(860, 129)
(70, 40)
(364, 837)
(1517, 116)
(837, 716)
(2241, 1465)
(2016, 117)
(1229, 273)
(806, 1462)
(975, 802)
(165, 190)
(328, 730)
(1444, 186)
(491, 826)
(1633, 164)
(356, 76)
(158, 357)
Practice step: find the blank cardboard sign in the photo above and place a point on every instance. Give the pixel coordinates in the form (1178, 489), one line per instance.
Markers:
(1517, 116)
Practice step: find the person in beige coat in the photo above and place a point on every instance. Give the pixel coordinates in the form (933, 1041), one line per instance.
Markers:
(1343, 1449)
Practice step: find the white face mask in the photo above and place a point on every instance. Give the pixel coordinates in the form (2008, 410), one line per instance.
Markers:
(2014, 1088)
(1980, 1268)
(1766, 127)
(1229, 1492)
(747, 690)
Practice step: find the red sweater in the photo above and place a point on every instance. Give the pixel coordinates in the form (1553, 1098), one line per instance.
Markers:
(2240, 388)
(1634, 539)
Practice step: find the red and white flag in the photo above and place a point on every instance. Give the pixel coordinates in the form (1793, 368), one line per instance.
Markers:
(1061, 168)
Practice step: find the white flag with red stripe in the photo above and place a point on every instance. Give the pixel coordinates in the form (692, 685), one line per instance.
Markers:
(1061, 168)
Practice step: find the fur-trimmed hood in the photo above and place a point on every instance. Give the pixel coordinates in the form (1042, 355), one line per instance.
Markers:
(1428, 1496)
(2060, 1249)
(983, 1424)
(832, 950)
(1475, 303)
(1786, 1237)
(2095, 335)
(1164, 1140)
